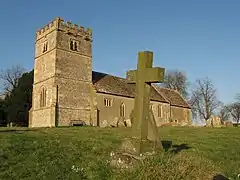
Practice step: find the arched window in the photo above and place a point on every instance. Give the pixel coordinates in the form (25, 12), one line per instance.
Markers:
(75, 46)
(151, 106)
(45, 47)
(43, 99)
(71, 44)
(159, 111)
(122, 110)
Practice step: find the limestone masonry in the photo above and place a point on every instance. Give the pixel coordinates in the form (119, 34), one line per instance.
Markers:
(67, 92)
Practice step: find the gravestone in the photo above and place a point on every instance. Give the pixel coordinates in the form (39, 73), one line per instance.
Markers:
(128, 123)
(228, 123)
(214, 121)
(145, 138)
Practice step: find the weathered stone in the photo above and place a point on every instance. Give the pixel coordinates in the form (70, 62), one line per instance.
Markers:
(114, 123)
(214, 121)
(128, 123)
(143, 121)
(121, 122)
(104, 123)
(123, 161)
(63, 75)
(228, 123)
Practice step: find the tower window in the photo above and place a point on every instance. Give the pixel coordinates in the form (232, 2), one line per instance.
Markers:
(45, 47)
(107, 102)
(73, 45)
(43, 95)
(122, 110)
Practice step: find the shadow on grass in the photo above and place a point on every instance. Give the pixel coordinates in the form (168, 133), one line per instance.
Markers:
(167, 145)
(16, 131)
(219, 177)
(177, 148)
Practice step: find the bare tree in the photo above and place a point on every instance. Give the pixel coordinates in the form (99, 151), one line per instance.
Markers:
(10, 77)
(204, 98)
(234, 109)
(224, 113)
(176, 80)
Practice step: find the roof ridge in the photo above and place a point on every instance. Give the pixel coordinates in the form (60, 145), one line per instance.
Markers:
(183, 98)
(156, 88)
(168, 89)
(124, 88)
(172, 91)
(176, 91)
(110, 75)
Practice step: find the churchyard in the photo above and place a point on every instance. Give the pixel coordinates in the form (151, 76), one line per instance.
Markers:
(84, 153)
(143, 151)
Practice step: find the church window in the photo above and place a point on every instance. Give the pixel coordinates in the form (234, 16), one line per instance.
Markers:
(122, 110)
(71, 44)
(45, 47)
(159, 111)
(151, 106)
(43, 95)
(107, 102)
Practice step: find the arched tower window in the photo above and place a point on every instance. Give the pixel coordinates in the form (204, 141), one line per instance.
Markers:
(75, 46)
(43, 95)
(45, 47)
(71, 44)
(122, 110)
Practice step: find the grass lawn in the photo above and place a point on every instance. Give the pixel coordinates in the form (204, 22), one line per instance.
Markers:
(50, 154)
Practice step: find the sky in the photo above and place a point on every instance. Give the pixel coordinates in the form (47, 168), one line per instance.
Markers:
(200, 38)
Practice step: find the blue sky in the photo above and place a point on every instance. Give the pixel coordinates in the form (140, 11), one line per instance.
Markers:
(201, 38)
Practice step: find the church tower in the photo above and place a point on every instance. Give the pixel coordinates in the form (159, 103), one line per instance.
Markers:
(62, 75)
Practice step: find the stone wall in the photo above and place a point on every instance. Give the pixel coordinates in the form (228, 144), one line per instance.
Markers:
(69, 115)
(44, 117)
(180, 116)
(163, 116)
(109, 114)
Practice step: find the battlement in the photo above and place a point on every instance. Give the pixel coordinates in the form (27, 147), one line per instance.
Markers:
(65, 26)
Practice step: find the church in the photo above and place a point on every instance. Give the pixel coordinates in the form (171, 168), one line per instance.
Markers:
(66, 92)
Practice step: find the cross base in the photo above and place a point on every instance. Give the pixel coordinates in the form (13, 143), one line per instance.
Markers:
(133, 151)
(138, 147)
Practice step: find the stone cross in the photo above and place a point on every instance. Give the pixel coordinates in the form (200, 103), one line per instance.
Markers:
(143, 122)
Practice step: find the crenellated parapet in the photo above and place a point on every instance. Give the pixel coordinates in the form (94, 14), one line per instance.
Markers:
(65, 26)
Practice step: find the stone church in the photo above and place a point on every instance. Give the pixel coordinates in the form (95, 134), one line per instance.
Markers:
(66, 92)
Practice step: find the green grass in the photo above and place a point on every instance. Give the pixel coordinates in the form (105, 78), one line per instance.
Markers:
(50, 154)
